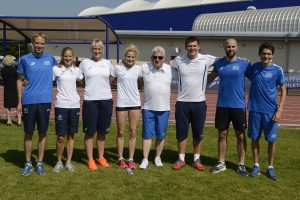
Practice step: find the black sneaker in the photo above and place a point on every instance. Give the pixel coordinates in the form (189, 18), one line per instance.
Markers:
(219, 167)
(242, 170)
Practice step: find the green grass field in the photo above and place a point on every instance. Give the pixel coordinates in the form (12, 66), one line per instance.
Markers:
(153, 183)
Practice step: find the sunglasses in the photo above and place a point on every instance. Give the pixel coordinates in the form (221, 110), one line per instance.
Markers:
(159, 57)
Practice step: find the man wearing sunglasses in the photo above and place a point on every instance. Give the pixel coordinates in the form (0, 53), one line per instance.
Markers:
(192, 69)
(157, 78)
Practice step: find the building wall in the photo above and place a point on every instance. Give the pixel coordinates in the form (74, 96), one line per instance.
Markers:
(181, 19)
(286, 52)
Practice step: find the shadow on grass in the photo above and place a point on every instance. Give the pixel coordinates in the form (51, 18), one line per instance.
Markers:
(4, 120)
(16, 157)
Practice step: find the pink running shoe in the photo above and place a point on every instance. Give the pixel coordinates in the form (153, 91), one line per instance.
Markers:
(123, 164)
(131, 164)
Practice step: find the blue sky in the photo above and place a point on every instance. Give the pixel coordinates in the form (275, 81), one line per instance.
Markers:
(52, 7)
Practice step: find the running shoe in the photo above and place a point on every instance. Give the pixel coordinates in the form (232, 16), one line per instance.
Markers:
(219, 167)
(122, 164)
(157, 162)
(242, 170)
(92, 165)
(255, 171)
(58, 167)
(144, 164)
(131, 164)
(197, 164)
(271, 173)
(69, 167)
(178, 164)
(27, 169)
(39, 168)
(103, 162)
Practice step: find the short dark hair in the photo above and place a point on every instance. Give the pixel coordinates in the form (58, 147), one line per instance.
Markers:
(191, 39)
(266, 45)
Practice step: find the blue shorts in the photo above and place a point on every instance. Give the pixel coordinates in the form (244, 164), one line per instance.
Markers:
(36, 113)
(96, 116)
(66, 120)
(155, 124)
(259, 122)
(190, 112)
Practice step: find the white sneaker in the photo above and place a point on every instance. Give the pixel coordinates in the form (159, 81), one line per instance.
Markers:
(69, 167)
(157, 162)
(58, 167)
(144, 164)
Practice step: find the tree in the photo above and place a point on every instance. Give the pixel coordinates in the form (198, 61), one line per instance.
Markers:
(13, 49)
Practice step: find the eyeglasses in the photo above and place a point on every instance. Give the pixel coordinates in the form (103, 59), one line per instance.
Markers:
(159, 57)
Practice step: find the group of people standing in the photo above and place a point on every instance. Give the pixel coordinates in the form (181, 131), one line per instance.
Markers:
(39, 69)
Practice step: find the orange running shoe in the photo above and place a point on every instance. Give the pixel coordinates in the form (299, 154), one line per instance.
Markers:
(92, 165)
(103, 162)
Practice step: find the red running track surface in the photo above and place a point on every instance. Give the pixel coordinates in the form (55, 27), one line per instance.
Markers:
(290, 115)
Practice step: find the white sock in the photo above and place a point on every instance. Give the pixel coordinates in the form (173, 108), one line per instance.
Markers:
(181, 156)
(196, 157)
(256, 164)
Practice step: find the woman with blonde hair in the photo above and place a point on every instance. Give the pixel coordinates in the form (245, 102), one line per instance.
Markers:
(97, 104)
(9, 76)
(128, 103)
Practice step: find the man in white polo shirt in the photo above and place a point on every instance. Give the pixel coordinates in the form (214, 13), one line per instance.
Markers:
(192, 69)
(157, 78)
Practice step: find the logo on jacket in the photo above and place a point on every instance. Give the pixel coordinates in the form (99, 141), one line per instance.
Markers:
(267, 75)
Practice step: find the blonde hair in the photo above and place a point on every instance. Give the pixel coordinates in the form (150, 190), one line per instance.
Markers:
(61, 62)
(131, 48)
(8, 60)
(97, 42)
(35, 35)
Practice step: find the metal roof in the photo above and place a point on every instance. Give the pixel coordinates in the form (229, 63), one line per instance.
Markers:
(57, 29)
(264, 24)
(133, 5)
(277, 20)
(184, 3)
(143, 5)
(64, 30)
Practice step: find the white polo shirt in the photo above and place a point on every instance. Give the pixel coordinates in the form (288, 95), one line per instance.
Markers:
(192, 76)
(128, 94)
(157, 87)
(67, 96)
(97, 86)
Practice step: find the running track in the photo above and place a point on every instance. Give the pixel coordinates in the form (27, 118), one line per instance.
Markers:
(290, 115)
